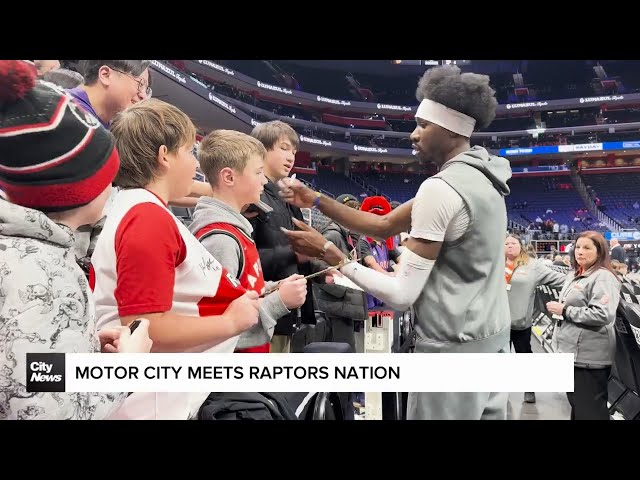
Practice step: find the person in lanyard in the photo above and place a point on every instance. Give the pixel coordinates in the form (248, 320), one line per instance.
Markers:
(523, 274)
(586, 313)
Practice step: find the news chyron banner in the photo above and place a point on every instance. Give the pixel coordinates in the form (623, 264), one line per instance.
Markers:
(318, 372)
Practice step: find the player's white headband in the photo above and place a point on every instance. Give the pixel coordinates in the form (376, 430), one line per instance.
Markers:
(446, 117)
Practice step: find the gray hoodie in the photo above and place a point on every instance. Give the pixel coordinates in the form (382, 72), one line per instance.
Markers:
(45, 307)
(227, 251)
(522, 293)
(587, 330)
(463, 308)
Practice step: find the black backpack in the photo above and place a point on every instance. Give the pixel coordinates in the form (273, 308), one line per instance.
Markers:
(246, 406)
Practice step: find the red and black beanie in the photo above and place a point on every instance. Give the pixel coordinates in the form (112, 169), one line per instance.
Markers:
(54, 156)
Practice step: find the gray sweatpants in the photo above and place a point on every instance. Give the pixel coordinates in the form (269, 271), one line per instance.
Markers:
(458, 405)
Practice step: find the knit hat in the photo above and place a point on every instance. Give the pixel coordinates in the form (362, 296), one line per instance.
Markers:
(54, 156)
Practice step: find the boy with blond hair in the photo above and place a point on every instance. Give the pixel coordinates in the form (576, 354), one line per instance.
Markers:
(233, 164)
(147, 263)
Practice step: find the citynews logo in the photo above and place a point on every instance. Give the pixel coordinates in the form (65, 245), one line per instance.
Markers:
(45, 372)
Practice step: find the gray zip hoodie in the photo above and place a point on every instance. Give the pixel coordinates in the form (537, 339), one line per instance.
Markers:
(227, 251)
(587, 330)
(522, 293)
(463, 308)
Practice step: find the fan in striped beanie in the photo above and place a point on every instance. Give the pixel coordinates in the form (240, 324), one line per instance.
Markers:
(54, 156)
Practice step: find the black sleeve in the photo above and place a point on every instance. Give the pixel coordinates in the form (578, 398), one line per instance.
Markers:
(364, 249)
(275, 260)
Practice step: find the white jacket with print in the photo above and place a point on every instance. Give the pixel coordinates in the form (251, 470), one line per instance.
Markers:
(45, 307)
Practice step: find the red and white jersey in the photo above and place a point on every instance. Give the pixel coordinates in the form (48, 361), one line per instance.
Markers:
(147, 261)
(250, 274)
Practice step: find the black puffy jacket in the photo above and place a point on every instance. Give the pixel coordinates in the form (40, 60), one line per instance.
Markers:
(276, 255)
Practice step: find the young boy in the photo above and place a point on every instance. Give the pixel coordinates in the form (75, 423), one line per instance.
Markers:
(56, 168)
(233, 164)
(278, 258)
(147, 263)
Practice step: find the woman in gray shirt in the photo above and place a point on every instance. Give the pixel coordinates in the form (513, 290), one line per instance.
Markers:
(586, 314)
(523, 274)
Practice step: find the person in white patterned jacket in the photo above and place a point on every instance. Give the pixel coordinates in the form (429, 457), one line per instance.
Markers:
(56, 168)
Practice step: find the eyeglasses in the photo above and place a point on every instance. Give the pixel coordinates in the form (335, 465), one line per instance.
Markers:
(142, 85)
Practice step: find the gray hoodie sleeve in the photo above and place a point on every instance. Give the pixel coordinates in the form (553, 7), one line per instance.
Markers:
(602, 304)
(271, 309)
(548, 277)
(227, 251)
(272, 306)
